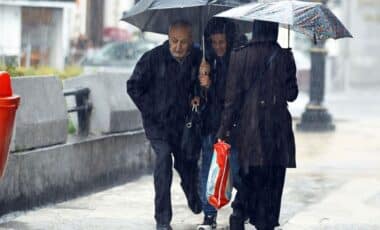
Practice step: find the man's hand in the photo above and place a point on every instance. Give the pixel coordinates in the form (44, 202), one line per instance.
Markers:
(196, 101)
(204, 74)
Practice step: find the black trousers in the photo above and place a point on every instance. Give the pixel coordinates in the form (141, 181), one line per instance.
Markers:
(259, 198)
(163, 175)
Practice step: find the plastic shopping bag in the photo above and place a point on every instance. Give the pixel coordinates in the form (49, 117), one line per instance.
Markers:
(219, 182)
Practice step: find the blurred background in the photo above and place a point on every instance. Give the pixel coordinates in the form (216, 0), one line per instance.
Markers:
(84, 43)
(84, 35)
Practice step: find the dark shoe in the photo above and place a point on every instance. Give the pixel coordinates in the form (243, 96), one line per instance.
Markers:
(236, 222)
(163, 227)
(209, 222)
(193, 200)
(195, 205)
(242, 214)
(264, 228)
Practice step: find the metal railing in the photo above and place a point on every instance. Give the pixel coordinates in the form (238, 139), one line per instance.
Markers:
(83, 108)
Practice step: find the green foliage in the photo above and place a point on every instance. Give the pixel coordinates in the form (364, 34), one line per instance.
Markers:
(68, 72)
(71, 128)
(13, 71)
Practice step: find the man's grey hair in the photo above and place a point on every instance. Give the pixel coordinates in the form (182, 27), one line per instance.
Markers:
(181, 23)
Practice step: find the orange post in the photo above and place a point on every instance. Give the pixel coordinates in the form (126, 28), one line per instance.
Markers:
(8, 106)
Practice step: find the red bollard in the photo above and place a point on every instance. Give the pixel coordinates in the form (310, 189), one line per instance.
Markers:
(8, 107)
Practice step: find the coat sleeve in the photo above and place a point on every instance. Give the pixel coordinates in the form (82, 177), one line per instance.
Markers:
(234, 94)
(196, 85)
(196, 92)
(138, 85)
(291, 79)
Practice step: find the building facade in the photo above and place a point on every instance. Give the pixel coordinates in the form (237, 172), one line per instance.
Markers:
(361, 55)
(35, 32)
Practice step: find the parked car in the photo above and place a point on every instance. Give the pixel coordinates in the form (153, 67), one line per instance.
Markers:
(116, 57)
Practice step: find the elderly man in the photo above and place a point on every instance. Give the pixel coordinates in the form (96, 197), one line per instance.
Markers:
(163, 86)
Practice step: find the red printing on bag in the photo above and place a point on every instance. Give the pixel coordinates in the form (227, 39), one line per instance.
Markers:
(219, 199)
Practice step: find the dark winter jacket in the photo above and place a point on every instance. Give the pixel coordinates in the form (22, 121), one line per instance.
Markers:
(265, 136)
(213, 97)
(162, 88)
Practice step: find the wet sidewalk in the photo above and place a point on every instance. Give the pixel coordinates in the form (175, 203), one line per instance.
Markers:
(336, 186)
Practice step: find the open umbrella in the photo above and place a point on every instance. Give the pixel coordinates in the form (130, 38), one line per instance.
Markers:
(312, 19)
(157, 15)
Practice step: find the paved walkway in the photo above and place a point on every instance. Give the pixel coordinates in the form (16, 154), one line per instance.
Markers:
(336, 186)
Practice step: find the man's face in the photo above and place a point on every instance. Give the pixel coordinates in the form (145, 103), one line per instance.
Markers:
(180, 41)
(219, 44)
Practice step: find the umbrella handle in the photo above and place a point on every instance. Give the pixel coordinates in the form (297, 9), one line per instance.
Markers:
(288, 36)
(315, 39)
(203, 46)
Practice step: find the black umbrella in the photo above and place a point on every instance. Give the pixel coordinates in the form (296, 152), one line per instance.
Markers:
(157, 15)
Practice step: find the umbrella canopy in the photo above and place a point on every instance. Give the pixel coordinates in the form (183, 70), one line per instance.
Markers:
(312, 19)
(157, 15)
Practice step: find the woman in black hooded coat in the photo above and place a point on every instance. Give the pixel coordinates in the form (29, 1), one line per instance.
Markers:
(260, 82)
(220, 35)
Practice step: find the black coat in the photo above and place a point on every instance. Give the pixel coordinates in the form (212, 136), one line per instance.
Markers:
(162, 88)
(265, 136)
(213, 97)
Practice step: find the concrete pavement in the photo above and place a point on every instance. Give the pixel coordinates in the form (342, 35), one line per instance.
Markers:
(336, 186)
